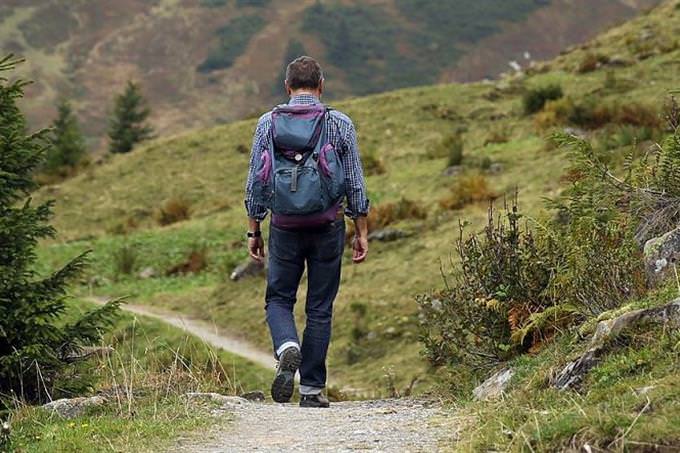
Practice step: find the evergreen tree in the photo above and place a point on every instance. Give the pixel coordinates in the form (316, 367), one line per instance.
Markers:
(128, 125)
(69, 146)
(35, 340)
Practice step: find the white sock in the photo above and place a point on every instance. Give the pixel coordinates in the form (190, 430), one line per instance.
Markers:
(285, 346)
(309, 390)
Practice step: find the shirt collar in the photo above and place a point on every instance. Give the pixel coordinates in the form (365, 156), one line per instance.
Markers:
(303, 99)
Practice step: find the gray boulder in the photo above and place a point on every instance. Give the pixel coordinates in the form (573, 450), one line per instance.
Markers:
(387, 235)
(494, 387)
(573, 373)
(453, 171)
(661, 254)
(248, 268)
(73, 407)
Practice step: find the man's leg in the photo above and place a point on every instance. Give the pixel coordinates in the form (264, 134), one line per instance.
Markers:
(323, 269)
(286, 264)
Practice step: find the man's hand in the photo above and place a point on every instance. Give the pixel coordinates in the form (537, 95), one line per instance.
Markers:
(256, 249)
(359, 249)
(360, 242)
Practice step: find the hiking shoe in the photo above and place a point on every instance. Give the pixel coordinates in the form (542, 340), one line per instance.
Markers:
(284, 381)
(314, 401)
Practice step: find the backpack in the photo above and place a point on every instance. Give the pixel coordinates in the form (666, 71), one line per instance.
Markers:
(300, 178)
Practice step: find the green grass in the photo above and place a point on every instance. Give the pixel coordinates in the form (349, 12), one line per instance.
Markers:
(629, 402)
(153, 365)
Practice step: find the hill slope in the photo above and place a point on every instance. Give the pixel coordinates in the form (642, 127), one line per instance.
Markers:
(204, 62)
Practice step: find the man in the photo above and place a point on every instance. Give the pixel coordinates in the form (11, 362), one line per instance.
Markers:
(329, 149)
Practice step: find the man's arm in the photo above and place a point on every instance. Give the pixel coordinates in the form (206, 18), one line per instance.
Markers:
(357, 200)
(256, 213)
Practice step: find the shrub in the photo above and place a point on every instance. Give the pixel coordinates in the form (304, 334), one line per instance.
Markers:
(36, 340)
(385, 214)
(125, 260)
(372, 164)
(591, 62)
(173, 210)
(467, 190)
(196, 262)
(502, 281)
(535, 99)
(500, 135)
(450, 147)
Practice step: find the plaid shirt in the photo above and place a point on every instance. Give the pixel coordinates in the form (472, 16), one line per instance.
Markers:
(341, 133)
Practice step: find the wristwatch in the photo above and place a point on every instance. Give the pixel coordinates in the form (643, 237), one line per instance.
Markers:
(254, 234)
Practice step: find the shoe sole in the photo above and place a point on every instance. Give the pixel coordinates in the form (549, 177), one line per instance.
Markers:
(284, 382)
(314, 405)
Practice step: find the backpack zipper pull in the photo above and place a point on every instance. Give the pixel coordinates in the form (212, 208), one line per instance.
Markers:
(294, 177)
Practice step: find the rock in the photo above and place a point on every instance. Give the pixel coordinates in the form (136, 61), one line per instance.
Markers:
(73, 407)
(495, 168)
(387, 235)
(453, 171)
(576, 132)
(618, 61)
(147, 272)
(494, 387)
(217, 398)
(257, 395)
(573, 373)
(661, 255)
(248, 268)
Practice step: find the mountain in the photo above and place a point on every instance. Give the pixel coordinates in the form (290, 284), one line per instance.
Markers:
(209, 61)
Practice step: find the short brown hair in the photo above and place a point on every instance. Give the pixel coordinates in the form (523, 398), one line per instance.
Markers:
(304, 72)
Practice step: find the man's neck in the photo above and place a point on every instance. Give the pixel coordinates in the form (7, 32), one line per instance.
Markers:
(316, 94)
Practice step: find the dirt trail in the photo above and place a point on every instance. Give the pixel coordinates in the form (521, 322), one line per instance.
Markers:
(399, 425)
(383, 425)
(207, 332)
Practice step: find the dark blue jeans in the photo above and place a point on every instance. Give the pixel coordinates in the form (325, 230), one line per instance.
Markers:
(321, 250)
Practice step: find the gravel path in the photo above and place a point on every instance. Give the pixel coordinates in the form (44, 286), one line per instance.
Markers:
(392, 425)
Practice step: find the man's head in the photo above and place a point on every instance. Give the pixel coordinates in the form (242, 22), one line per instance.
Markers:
(304, 74)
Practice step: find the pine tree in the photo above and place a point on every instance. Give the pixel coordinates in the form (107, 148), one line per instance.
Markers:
(69, 146)
(35, 340)
(128, 125)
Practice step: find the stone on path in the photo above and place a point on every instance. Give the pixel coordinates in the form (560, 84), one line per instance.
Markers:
(73, 407)
(217, 398)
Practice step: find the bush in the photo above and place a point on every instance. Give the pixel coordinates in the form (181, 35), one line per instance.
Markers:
(385, 214)
(174, 210)
(372, 164)
(519, 285)
(536, 98)
(591, 62)
(594, 114)
(125, 260)
(467, 190)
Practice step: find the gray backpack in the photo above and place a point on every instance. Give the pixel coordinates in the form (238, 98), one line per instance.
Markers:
(300, 178)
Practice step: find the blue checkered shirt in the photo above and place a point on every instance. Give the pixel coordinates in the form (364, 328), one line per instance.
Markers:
(341, 134)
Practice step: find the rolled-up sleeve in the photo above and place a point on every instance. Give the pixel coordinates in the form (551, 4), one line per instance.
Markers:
(355, 184)
(255, 210)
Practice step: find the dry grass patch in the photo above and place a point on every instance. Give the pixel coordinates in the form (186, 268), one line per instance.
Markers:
(467, 190)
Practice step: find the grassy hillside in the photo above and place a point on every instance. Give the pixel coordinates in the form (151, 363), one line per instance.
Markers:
(205, 62)
(115, 205)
